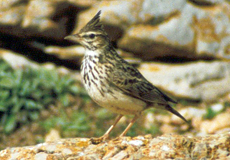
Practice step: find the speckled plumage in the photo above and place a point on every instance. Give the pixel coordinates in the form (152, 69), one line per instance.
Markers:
(111, 81)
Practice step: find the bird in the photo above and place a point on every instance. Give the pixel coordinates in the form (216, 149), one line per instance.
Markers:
(112, 82)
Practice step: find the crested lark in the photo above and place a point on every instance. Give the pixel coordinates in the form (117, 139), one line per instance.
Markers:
(112, 82)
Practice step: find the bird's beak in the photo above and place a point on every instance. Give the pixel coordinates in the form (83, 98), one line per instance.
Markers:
(74, 37)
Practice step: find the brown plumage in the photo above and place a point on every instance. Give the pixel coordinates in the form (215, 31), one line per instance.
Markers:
(112, 82)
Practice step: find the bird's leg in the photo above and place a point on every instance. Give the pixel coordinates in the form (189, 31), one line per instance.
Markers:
(106, 135)
(111, 127)
(129, 126)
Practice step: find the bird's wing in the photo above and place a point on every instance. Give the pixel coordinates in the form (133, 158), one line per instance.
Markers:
(130, 81)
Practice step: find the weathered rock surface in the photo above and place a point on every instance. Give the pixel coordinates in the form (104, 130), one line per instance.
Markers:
(198, 80)
(33, 18)
(15, 60)
(167, 28)
(71, 52)
(147, 29)
(157, 28)
(141, 147)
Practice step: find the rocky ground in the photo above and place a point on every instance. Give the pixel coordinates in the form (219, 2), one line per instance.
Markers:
(182, 47)
(142, 147)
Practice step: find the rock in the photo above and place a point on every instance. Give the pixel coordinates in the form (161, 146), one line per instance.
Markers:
(166, 128)
(187, 31)
(147, 28)
(151, 41)
(81, 3)
(167, 146)
(15, 60)
(179, 28)
(5, 5)
(218, 123)
(198, 80)
(33, 18)
(123, 14)
(206, 2)
(38, 19)
(72, 52)
(11, 13)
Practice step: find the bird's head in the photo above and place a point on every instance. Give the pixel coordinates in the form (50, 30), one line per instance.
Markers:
(92, 36)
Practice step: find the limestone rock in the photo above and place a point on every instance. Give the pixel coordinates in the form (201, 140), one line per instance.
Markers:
(15, 60)
(11, 16)
(11, 13)
(38, 18)
(198, 80)
(78, 3)
(219, 122)
(179, 28)
(146, 28)
(141, 147)
(189, 31)
(71, 52)
(33, 18)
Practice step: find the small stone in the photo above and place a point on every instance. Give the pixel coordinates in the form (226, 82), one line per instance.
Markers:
(136, 142)
(66, 151)
(40, 156)
(165, 148)
(50, 148)
(217, 107)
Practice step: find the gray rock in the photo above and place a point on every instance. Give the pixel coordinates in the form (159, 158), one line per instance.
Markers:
(190, 31)
(166, 28)
(199, 80)
(33, 18)
(11, 14)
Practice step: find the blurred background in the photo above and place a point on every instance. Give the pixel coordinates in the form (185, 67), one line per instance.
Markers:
(181, 46)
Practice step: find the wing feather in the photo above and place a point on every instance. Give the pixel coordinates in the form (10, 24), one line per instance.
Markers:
(129, 80)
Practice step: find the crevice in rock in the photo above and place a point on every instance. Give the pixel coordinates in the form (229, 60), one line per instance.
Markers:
(24, 47)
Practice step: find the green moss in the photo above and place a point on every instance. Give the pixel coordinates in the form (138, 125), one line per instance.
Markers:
(25, 92)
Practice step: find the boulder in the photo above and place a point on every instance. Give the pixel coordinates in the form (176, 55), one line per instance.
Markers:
(206, 81)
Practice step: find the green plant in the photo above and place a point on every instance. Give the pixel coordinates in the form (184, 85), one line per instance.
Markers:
(25, 92)
(210, 113)
(226, 104)
(154, 130)
(73, 125)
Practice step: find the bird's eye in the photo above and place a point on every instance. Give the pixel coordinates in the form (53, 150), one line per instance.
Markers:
(92, 36)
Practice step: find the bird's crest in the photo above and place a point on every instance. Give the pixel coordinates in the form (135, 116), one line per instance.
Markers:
(94, 24)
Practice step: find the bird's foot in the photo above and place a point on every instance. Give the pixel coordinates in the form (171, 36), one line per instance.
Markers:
(98, 140)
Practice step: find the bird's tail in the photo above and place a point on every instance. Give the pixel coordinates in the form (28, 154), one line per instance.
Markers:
(170, 109)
